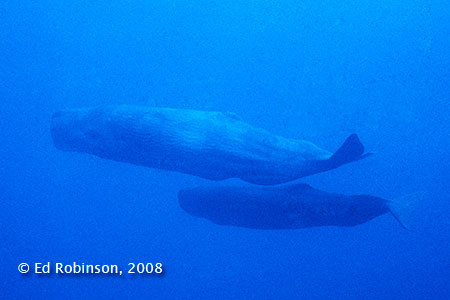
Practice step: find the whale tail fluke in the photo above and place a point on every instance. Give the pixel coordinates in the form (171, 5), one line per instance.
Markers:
(404, 208)
(351, 150)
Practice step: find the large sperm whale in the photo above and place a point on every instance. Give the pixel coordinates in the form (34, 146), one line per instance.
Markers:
(289, 206)
(211, 145)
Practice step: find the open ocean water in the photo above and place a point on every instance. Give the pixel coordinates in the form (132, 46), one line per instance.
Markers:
(313, 70)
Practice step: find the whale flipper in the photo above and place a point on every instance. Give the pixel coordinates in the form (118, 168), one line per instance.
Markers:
(351, 150)
(232, 115)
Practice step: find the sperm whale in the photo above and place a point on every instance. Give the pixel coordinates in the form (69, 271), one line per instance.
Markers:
(289, 206)
(208, 144)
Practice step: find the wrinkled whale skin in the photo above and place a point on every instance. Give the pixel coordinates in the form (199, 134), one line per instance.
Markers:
(290, 206)
(211, 145)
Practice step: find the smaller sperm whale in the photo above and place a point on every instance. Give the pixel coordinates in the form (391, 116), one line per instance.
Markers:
(211, 145)
(289, 206)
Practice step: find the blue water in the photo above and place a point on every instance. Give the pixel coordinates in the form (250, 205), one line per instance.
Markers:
(314, 70)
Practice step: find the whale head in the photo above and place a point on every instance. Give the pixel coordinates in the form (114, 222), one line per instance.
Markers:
(78, 130)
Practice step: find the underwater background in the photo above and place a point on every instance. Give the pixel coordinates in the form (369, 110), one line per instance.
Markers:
(314, 70)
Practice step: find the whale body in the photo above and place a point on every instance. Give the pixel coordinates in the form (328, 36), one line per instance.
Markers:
(289, 206)
(211, 145)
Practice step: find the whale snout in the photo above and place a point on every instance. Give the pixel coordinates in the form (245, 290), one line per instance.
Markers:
(189, 202)
(66, 130)
(184, 200)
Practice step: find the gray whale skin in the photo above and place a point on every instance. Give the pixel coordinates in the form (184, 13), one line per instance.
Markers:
(211, 145)
(290, 206)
